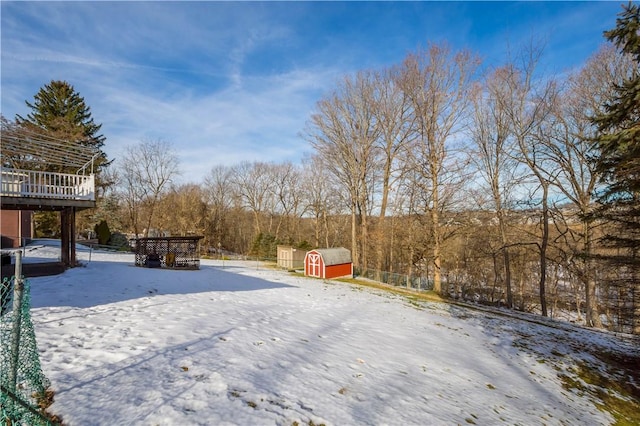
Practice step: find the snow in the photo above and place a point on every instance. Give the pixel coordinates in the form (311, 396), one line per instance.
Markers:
(237, 343)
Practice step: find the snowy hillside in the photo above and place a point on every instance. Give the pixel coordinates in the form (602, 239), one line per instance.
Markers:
(241, 344)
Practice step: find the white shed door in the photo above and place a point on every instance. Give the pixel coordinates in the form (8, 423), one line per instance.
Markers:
(314, 265)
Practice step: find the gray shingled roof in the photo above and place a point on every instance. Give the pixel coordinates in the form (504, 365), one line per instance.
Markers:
(335, 256)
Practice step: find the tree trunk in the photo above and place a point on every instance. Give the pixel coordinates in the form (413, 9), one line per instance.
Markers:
(410, 271)
(636, 307)
(592, 317)
(380, 240)
(505, 254)
(364, 237)
(354, 235)
(492, 298)
(437, 279)
(326, 228)
(317, 231)
(543, 249)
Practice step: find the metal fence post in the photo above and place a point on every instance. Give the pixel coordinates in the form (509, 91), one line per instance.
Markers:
(18, 293)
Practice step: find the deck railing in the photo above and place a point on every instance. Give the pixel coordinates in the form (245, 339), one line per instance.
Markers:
(38, 184)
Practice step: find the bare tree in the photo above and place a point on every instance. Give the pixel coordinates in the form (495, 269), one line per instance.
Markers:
(287, 197)
(254, 185)
(183, 210)
(218, 190)
(438, 84)
(528, 107)
(570, 148)
(320, 198)
(494, 157)
(343, 132)
(146, 171)
(392, 109)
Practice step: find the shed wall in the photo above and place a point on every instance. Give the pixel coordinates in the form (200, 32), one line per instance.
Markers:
(336, 271)
(316, 266)
(313, 264)
(290, 258)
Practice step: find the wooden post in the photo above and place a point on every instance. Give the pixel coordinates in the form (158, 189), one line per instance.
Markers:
(72, 236)
(68, 237)
(64, 237)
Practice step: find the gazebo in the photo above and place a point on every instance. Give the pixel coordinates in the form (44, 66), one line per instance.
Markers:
(168, 252)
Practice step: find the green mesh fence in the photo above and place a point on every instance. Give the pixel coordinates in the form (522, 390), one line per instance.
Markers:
(23, 384)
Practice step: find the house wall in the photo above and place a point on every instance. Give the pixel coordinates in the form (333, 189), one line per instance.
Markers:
(15, 227)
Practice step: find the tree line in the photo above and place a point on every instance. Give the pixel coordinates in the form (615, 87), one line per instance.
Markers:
(503, 184)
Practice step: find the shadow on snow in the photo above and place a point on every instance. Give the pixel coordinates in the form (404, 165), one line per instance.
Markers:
(100, 282)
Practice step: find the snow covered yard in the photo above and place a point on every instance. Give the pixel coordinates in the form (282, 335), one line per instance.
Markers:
(241, 344)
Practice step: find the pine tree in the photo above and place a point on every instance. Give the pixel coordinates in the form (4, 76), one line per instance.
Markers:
(618, 145)
(61, 114)
(61, 121)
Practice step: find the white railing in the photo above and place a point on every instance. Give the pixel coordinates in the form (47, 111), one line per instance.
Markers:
(30, 183)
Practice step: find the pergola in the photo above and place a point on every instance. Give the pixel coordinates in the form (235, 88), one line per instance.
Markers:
(22, 146)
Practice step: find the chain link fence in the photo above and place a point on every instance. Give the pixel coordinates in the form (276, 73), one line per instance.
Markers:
(23, 386)
(414, 282)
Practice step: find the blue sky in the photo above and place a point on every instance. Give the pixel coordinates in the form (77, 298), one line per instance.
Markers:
(225, 82)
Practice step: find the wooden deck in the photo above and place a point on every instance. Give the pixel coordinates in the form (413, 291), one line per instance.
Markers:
(38, 190)
(46, 191)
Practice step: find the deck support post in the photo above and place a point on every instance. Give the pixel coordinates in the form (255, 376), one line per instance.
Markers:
(68, 237)
(64, 237)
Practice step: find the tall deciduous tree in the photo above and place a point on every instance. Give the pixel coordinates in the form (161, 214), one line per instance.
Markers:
(344, 133)
(438, 83)
(570, 149)
(183, 209)
(527, 108)
(392, 110)
(618, 143)
(146, 171)
(494, 157)
(288, 199)
(320, 198)
(253, 185)
(219, 199)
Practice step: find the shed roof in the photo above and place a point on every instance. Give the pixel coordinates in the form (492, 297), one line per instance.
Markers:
(335, 256)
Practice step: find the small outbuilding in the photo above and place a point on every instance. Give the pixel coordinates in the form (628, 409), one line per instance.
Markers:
(290, 257)
(168, 252)
(328, 263)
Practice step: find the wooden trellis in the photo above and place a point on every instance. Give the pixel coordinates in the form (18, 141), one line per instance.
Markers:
(168, 252)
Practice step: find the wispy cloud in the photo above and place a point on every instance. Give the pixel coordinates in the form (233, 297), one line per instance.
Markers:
(232, 81)
(260, 120)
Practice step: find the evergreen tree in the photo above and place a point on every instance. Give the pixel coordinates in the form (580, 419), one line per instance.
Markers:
(61, 115)
(618, 145)
(61, 122)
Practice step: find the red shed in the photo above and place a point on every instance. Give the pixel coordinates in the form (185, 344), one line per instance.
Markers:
(328, 263)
